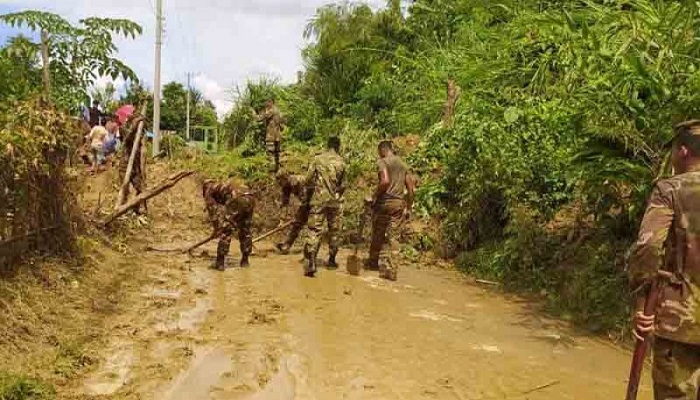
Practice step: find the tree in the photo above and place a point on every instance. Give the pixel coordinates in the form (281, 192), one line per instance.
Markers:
(205, 114)
(174, 107)
(19, 62)
(105, 95)
(74, 56)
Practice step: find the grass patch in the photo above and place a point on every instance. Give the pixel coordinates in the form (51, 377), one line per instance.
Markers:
(15, 387)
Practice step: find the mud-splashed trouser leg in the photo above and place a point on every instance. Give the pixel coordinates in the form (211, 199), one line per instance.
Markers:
(276, 150)
(244, 224)
(386, 218)
(332, 221)
(313, 239)
(676, 370)
(301, 218)
(223, 248)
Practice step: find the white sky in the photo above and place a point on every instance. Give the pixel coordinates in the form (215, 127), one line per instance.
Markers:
(223, 42)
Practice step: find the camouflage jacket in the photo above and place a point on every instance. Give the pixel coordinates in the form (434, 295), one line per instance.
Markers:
(325, 180)
(273, 124)
(225, 203)
(669, 241)
(296, 186)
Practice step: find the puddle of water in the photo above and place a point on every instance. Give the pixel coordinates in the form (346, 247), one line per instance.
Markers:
(433, 316)
(163, 294)
(487, 348)
(190, 319)
(288, 383)
(197, 381)
(115, 373)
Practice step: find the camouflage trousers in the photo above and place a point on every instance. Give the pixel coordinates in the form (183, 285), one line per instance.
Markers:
(322, 220)
(274, 148)
(301, 218)
(243, 223)
(385, 219)
(676, 370)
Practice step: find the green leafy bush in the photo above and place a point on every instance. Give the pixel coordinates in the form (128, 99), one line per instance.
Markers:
(13, 387)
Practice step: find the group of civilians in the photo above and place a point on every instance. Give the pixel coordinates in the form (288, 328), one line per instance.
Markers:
(103, 141)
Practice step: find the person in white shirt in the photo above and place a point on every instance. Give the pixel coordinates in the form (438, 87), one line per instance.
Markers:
(97, 139)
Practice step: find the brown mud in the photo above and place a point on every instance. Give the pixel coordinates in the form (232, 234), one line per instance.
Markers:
(268, 333)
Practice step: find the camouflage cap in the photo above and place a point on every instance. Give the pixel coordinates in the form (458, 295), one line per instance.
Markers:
(688, 134)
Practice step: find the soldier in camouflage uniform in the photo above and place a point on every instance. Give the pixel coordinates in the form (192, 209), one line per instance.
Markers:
(293, 185)
(230, 208)
(668, 250)
(325, 182)
(128, 131)
(273, 131)
(392, 203)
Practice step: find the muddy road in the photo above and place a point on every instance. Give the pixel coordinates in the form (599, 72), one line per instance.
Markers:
(269, 333)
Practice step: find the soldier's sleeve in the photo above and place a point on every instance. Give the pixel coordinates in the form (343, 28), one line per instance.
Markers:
(646, 256)
(310, 177)
(210, 203)
(341, 179)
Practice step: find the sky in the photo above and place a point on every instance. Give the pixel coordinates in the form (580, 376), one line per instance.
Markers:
(223, 43)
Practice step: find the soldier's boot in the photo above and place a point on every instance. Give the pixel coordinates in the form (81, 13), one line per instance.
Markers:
(387, 271)
(245, 262)
(283, 248)
(310, 264)
(332, 264)
(310, 267)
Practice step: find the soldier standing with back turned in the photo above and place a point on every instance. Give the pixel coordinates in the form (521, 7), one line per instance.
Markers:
(668, 252)
(325, 182)
(390, 208)
(273, 131)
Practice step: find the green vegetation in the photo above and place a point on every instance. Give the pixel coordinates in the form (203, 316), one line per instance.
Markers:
(76, 55)
(540, 178)
(41, 86)
(22, 388)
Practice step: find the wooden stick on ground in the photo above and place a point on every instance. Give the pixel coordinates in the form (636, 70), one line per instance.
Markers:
(257, 239)
(216, 235)
(272, 232)
(541, 387)
(158, 189)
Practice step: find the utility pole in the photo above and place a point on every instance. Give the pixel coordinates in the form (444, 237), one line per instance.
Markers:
(187, 129)
(156, 80)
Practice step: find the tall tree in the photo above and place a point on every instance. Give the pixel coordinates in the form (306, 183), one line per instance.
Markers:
(74, 56)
